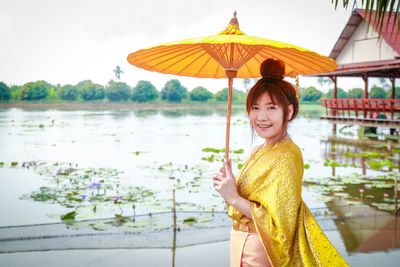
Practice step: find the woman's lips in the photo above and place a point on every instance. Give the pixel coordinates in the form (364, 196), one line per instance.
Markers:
(263, 126)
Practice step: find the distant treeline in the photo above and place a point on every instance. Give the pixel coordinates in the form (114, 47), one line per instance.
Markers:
(87, 91)
(311, 94)
(145, 91)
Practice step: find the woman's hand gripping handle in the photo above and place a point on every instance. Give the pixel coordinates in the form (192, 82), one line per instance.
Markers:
(225, 185)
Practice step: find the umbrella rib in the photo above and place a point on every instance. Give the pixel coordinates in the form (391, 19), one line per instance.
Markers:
(180, 49)
(257, 60)
(248, 69)
(305, 56)
(245, 53)
(208, 60)
(193, 61)
(217, 53)
(180, 59)
(276, 54)
(216, 71)
(152, 54)
(317, 63)
(293, 56)
(162, 53)
(239, 55)
(221, 53)
(318, 58)
(250, 52)
(176, 58)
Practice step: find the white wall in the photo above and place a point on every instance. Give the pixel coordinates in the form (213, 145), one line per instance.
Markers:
(364, 47)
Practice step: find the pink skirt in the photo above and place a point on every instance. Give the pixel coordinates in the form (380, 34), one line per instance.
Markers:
(246, 249)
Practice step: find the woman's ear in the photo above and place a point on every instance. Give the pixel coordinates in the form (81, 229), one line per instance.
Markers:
(290, 113)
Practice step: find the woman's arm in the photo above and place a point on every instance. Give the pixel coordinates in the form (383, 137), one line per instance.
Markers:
(225, 184)
(242, 205)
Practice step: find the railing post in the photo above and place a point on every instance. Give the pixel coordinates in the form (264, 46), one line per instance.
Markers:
(365, 78)
(356, 107)
(391, 109)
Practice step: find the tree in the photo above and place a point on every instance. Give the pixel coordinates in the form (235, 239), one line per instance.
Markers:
(91, 91)
(35, 90)
(200, 94)
(173, 91)
(68, 92)
(356, 93)
(380, 7)
(377, 92)
(52, 96)
(81, 84)
(15, 91)
(396, 93)
(117, 91)
(118, 71)
(222, 95)
(240, 96)
(340, 93)
(311, 94)
(5, 93)
(144, 92)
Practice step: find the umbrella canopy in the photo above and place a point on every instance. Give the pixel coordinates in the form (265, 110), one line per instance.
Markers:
(211, 56)
(230, 54)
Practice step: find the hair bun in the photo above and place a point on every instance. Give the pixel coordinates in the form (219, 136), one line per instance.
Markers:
(272, 69)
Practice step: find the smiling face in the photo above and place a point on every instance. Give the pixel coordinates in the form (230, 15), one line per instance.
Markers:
(268, 119)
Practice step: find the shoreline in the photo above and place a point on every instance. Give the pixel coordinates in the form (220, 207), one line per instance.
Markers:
(65, 105)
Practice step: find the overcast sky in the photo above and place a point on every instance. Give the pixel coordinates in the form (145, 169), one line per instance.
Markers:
(67, 41)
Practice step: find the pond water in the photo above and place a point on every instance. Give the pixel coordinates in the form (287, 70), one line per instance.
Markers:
(109, 176)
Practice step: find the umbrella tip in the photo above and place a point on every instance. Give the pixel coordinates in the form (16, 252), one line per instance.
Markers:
(233, 27)
(234, 21)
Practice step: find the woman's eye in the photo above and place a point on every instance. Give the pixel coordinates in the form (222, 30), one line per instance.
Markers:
(271, 107)
(254, 108)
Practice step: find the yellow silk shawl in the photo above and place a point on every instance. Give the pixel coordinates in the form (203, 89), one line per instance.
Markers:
(271, 180)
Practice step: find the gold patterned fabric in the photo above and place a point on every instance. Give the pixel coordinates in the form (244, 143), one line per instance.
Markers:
(271, 180)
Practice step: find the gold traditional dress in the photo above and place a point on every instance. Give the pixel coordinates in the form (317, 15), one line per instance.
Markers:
(271, 180)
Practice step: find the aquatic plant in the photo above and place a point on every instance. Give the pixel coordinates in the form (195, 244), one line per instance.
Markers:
(86, 191)
(356, 189)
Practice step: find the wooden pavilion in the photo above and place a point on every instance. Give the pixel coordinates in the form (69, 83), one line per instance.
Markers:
(361, 52)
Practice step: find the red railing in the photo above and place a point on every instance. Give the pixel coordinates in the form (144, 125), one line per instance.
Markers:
(362, 108)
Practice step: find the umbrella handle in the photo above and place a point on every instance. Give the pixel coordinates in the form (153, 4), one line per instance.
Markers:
(228, 118)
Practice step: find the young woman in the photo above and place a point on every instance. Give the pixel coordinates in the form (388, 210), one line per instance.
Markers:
(272, 226)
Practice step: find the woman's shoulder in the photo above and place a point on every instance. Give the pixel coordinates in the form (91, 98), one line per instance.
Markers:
(288, 157)
(289, 149)
(292, 146)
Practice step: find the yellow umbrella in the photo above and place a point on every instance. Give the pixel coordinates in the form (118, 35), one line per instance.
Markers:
(230, 54)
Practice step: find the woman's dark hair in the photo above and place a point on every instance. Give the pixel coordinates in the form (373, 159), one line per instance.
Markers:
(281, 92)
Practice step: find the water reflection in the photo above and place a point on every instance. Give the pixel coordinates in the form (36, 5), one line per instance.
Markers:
(174, 112)
(341, 152)
(200, 112)
(364, 228)
(142, 113)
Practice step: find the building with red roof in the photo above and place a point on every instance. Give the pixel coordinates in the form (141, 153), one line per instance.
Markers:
(361, 51)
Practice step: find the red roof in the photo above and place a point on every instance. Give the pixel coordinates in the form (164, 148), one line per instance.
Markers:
(355, 19)
(387, 34)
